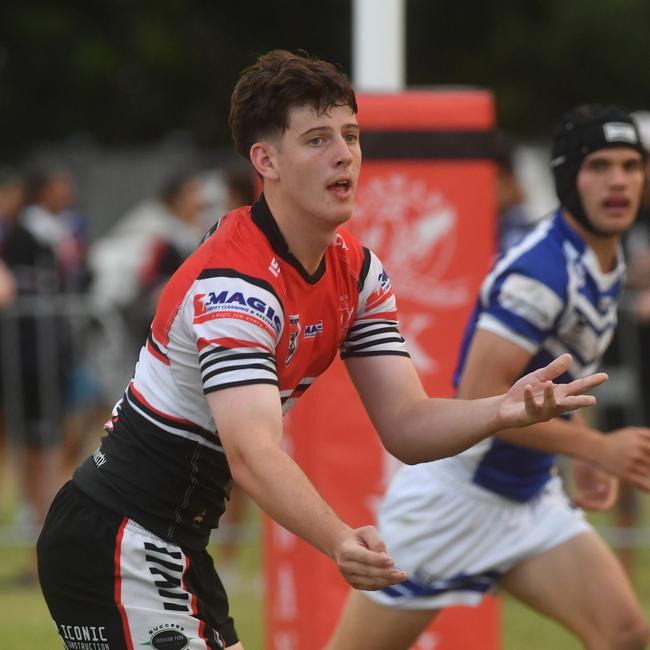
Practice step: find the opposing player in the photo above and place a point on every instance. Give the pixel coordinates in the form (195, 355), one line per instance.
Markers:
(242, 330)
(497, 514)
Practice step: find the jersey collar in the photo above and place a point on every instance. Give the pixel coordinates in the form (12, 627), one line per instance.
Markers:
(263, 219)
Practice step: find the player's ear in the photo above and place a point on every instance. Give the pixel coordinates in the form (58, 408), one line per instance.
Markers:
(263, 159)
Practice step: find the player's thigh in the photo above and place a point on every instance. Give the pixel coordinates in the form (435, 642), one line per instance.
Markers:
(578, 583)
(366, 625)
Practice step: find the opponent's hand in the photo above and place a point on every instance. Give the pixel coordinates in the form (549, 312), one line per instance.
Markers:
(625, 453)
(595, 489)
(363, 562)
(535, 398)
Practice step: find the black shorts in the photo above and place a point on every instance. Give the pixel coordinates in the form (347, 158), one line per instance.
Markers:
(110, 584)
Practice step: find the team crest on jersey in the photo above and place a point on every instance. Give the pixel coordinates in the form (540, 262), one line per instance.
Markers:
(294, 336)
(345, 315)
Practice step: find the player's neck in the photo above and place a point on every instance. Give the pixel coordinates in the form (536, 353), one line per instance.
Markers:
(605, 248)
(306, 238)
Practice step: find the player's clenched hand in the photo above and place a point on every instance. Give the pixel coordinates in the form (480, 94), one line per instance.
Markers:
(362, 560)
(626, 454)
(535, 398)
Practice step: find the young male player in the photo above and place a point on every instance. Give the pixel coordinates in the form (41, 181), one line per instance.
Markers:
(122, 555)
(497, 514)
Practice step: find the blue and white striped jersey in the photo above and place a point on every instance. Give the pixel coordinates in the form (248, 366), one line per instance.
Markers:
(549, 296)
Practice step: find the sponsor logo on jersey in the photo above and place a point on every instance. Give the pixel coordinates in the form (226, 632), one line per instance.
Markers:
(207, 305)
(274, 268)
(384, 280)
(311, 331)
(340, 242)
(294, 335)
(84, 637)
(99, 457)
(168, 636)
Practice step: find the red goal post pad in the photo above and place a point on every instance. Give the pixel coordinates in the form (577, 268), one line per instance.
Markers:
(426, 207)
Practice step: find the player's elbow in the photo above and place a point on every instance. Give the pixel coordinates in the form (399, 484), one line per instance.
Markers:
(402, 451)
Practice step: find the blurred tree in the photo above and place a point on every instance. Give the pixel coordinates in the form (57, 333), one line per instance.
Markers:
(129, 72)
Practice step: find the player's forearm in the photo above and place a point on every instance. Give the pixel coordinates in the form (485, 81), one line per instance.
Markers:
(559, 437)
(276, 483)
(434, 428)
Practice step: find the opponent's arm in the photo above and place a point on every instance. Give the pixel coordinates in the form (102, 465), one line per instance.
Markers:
(416, 428)
(249, 422)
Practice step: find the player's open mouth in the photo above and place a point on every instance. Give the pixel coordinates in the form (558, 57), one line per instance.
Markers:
(617, 203)
(341, 187)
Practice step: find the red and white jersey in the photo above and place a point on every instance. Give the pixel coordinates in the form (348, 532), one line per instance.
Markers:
(241, 310)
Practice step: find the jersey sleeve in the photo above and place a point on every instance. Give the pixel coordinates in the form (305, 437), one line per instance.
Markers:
(236, 321)
(375, 328)
(522, 301)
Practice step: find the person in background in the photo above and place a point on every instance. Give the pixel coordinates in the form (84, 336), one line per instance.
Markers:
(11, 200)
(44, 250)
(497, 514)
(226, 355)
(147, 244)
(513, 222)
(637, 248)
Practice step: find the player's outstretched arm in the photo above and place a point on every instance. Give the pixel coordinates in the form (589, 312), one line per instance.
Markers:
(249, 422)
(535, 398)
(416, 428)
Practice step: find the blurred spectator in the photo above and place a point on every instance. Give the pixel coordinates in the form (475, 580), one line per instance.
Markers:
(513, 222)
(134, 260)
(44, 249)
(240, 187)
(637, 250)
(11, 198)
(638, 244)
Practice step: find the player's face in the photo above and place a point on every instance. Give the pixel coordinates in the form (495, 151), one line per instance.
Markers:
(610, 183)
(318, 159)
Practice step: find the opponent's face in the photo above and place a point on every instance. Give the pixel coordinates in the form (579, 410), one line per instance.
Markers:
(317, 160)
(610, 183)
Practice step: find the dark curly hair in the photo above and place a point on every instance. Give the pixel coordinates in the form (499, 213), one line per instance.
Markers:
(276, 82)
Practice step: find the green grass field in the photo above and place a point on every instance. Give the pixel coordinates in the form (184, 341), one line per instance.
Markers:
(25, 623)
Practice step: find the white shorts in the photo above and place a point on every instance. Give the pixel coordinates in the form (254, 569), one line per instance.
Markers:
(456, 539)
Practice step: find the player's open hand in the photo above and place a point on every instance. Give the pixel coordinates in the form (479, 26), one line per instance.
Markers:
(363, 561)
(535, 398)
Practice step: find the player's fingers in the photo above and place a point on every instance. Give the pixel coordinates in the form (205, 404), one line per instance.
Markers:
(371, 539)
(554, 369)
(356, 553)
(577, 401)
(584, 384)
(549, 404)
(640, 481)
(530, 404)
(372, 583)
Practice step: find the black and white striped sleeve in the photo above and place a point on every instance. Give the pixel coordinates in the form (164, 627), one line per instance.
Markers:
(375, 329)
(237, 321)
